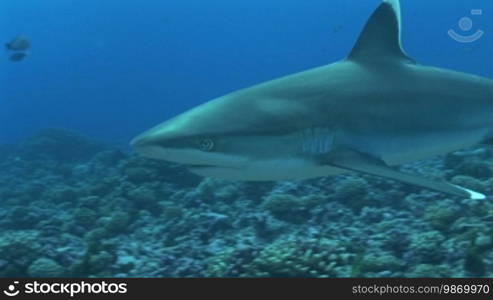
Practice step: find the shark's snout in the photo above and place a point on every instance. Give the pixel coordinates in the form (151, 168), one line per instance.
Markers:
(136, 142)
(149, 145)
(141, 141)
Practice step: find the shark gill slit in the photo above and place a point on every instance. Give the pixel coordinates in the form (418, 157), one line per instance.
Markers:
(318, 140)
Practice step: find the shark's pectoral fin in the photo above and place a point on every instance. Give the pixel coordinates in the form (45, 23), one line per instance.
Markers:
(381, 38)
(356, 161)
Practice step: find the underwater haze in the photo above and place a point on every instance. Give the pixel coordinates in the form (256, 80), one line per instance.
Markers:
(111, 69)
(75, 201)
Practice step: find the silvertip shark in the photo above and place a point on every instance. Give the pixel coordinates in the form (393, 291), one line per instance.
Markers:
(374, 110)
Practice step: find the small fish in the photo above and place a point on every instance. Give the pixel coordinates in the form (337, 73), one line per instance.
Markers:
(20, 43)
(337, 28)
(18, 56)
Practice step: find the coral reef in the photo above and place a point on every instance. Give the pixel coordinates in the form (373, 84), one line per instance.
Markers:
(59, 145)
(45, 267)
(74, 207)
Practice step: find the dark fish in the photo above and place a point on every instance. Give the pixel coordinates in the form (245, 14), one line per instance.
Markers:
(18, 56)
(20, 43)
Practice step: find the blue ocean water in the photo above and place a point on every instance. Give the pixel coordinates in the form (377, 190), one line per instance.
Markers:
(113, 68)
(110, 69)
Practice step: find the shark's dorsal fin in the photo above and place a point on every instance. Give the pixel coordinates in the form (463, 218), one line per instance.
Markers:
(381, 37)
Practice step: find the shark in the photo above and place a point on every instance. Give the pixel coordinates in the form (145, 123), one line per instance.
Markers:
(368, 113)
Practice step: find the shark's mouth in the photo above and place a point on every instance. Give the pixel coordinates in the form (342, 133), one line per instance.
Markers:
(200, 166)
(205, 166)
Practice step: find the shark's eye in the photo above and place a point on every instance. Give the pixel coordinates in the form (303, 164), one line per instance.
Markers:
(206, 145)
